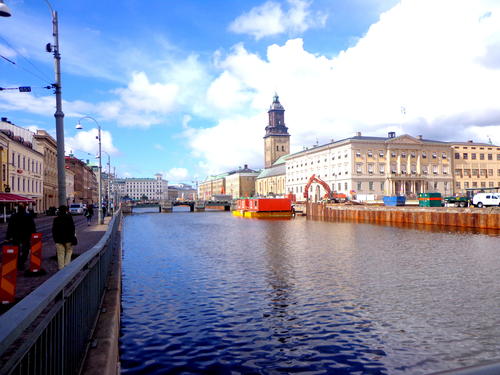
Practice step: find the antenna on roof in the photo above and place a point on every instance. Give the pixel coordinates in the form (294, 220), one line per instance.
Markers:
(489, 139)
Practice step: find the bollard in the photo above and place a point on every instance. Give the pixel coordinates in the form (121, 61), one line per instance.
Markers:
(36, 253)
(8, 276)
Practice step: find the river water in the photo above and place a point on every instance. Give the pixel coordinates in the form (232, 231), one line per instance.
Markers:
(212, 293)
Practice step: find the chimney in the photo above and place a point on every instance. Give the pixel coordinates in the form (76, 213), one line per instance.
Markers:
(4, 119)
(470, 141)
(358, 134)
(246, 166)
(391, 135)
(419, 136)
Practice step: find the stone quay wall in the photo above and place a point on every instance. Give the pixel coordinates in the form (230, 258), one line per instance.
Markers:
(481, 218)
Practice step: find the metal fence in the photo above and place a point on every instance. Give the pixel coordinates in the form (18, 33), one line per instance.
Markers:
(49, 331)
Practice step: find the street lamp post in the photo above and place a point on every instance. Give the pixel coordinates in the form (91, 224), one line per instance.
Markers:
(99, 199)
(109, 181)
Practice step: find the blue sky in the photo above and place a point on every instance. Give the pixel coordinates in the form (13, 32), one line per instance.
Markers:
(183, 87)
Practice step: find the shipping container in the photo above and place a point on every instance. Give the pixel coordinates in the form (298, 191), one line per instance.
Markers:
(394, 200)
(429, 200)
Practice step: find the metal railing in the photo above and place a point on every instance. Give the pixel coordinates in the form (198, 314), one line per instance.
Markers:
(49, 331)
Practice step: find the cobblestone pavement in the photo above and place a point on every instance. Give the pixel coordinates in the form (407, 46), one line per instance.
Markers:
(87, 236)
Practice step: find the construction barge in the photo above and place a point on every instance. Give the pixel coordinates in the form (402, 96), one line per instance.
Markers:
(481, 218)
(264, 208)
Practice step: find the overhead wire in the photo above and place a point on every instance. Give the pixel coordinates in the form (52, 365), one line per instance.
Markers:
(41, 77)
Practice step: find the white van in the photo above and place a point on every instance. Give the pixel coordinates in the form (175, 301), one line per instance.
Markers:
(76, 209)
(486, 199)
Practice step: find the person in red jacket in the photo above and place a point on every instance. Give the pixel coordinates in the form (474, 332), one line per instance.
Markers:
(63, 233)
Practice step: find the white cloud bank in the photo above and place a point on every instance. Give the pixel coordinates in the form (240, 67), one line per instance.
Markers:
(176, 174)
(437, 59)
(270, 19)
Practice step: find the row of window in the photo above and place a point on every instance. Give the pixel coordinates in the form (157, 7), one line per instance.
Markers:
(404, 154)
(476, 184)
(473, 156)
(403, 169)
(475, 172)
(26, 163)
(25, 185)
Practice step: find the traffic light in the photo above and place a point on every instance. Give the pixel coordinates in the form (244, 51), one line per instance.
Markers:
(24, 89)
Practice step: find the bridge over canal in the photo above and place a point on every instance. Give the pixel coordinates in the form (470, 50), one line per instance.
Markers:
(167, 206)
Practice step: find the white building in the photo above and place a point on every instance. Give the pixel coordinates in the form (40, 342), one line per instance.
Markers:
(373, 167)
(154, 189)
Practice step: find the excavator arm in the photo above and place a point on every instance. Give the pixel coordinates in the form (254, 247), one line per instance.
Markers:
(312, 179)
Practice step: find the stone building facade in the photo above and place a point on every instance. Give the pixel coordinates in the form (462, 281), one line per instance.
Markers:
(85, 182)
(476, 166)
(4, 162)
(25, 171)
(155, 189)
(48, 146)
(373, 167)
(241, 183)
(212, 185)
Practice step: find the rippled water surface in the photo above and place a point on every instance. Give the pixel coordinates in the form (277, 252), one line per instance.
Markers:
(212, 293)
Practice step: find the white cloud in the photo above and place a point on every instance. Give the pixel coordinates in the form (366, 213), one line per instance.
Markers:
(87, 141)
(176, 174)
(445, 74)
(270, 19)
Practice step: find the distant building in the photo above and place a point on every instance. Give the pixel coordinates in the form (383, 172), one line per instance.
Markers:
(241, 182)
(153, 189)
(476, 166)
(183, 192)
(213, 185)
(69, 175)
(372, 167)
(271, 180)
(48, 147)
(85, 181)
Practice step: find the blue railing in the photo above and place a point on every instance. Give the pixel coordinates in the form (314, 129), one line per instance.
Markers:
(49, 331)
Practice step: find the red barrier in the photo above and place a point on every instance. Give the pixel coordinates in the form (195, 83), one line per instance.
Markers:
(36, 253)
(9, 274)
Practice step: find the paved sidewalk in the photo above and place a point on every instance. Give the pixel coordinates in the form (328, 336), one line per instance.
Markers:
(87, 236)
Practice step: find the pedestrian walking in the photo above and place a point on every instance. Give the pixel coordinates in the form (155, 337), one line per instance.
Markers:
(63, 233)
(89, 212)
(21, 226)
(103, 210)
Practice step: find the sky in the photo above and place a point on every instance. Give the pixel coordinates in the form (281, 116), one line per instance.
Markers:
(183, 87)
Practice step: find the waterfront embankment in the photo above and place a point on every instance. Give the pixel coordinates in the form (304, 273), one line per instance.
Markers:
(479, 218)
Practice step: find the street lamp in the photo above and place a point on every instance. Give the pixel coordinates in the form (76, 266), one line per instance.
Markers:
(99, 199)
(109, 181)
(59, 114)
(4, 10)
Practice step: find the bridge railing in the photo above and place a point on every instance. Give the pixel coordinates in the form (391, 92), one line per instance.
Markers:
(49, 331)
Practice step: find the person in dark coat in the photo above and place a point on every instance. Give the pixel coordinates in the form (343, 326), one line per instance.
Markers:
(89, 212)
(63, 233)
(21, 226)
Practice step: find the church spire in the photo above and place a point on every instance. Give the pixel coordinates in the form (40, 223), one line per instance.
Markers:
(276, 113)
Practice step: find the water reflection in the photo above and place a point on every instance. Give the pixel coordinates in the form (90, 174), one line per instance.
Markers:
(208, 292)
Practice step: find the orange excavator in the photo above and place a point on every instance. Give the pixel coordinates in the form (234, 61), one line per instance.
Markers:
(329, 196)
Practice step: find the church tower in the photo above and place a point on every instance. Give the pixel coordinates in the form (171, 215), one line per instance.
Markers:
(277, 139)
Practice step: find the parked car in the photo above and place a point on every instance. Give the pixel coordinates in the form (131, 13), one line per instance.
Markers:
(486, 199)
(76, 209)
